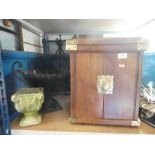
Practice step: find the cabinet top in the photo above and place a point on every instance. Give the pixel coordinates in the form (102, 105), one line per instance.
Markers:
(107, 40)
(108, 44)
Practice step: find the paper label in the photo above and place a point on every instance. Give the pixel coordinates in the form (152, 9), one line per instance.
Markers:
(121, 65)
(122, 55)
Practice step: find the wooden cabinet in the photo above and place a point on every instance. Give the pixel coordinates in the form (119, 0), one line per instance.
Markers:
(117, 59)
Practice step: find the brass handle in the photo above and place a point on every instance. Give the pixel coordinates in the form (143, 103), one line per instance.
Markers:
(105, 84)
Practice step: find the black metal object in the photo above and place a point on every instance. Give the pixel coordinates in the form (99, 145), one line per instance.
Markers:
(55, 78)
(59, 62)
(60, 52)
(46, 49)
(4, 121)
(143, 114)
(53, 82)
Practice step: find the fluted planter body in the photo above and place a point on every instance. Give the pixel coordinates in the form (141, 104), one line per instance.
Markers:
(29, 102)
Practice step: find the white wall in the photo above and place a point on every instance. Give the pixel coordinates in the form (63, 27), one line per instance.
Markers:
(31, 41)
(148, 32)
(8, 40)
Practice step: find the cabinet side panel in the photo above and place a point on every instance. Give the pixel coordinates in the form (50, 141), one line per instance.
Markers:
(89, 104)
(121, 104)
(73, 84)
(139, 75)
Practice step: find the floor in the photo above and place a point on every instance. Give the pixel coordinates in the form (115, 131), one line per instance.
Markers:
(57, 122)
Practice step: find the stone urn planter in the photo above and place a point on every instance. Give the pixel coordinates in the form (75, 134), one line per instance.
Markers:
(29, 102)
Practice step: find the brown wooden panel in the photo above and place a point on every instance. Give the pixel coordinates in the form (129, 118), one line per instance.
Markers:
(107, 41)
(121, 104)
(140, 64)
(73, 83)
(109, 44)
(110, 48)
(104, 121)
(89, 104)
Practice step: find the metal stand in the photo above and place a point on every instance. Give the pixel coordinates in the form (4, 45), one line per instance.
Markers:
(6, 129)
(59, 52)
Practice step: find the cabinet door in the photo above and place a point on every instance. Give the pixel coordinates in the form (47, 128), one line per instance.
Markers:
(89, 104)
(121, 104)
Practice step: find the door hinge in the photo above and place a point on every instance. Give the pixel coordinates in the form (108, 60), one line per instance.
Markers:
(71, 45)
(136, 123)
(72, 120)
